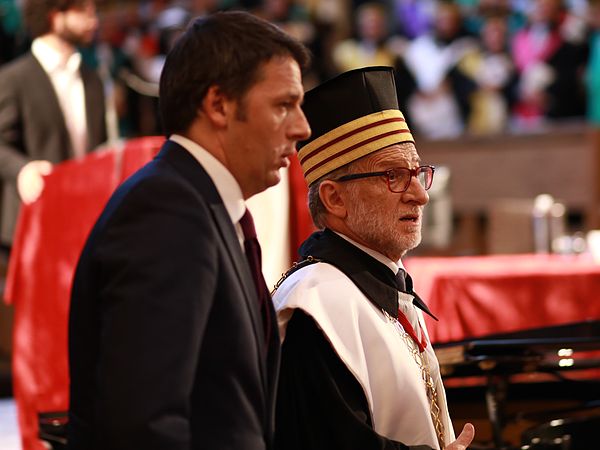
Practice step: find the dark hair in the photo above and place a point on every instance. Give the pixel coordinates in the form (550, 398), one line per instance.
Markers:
(36, 13)
(226, 49)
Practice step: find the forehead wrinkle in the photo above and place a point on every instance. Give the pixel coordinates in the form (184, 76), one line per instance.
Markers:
(397, 155)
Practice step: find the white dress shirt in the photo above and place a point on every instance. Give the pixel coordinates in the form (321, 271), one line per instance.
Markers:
(64, 74)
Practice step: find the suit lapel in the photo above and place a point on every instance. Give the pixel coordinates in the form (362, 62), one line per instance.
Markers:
(238, 258)
(194, 173)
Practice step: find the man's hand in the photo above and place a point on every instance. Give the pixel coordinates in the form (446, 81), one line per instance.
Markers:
(30, 180)
(464, 439)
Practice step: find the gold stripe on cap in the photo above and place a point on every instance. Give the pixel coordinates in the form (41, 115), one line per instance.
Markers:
(351, 141)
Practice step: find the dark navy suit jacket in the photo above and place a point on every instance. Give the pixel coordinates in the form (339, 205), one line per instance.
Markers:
(166, 345)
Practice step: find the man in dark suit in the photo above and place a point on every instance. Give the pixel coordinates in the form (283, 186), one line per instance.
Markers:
(173, 342)
(51, 105)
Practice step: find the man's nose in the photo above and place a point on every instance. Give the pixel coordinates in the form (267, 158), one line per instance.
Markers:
(300, 129)
(415, 193)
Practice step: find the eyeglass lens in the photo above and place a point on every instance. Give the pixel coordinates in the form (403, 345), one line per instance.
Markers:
(399, 178)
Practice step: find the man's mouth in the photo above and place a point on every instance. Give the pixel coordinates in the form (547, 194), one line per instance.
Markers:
(414, 218)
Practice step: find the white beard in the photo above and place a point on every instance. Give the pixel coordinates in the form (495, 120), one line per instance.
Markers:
(379, 229)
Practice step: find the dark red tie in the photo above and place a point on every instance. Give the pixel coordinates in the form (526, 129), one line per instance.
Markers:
(253, 254)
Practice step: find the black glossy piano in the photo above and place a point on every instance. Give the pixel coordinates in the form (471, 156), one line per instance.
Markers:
(540, 387)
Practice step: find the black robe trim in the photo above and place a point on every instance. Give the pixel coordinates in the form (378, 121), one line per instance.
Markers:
(374, 279)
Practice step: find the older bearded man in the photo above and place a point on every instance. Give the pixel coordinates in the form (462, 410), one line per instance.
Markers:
(358, 370)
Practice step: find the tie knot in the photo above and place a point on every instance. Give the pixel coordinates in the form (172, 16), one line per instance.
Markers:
(401, 280)
(247, 224)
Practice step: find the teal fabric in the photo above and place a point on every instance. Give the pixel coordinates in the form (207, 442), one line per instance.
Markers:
(10, 16)
(593, 80)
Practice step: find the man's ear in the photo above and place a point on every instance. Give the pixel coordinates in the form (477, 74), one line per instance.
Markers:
(216, 106)
(333, 199)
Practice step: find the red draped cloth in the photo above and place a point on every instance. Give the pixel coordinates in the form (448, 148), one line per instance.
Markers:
(50, 235)
(475, 296)
(301, 225)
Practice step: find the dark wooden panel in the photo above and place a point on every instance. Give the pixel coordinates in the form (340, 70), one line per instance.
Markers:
(559, 161)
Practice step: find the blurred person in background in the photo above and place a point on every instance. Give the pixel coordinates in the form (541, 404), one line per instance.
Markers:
(477, 12)
(550, 57)
(332, 20)
(290, 16)
(412, 18)
(491, 69)
(293, 18)
(370, 46)
(51, 106)
(439, 104)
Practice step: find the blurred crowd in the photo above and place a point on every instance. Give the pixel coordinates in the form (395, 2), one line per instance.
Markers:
(464, 66)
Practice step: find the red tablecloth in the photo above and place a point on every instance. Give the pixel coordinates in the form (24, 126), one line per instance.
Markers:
(475, 296)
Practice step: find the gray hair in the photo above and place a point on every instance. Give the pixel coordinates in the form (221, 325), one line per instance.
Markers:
(315, 204)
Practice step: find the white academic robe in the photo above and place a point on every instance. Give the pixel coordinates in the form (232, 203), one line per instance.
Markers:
(372, 348)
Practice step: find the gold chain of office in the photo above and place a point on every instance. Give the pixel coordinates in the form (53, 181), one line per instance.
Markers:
(430, 389)
(295, 266)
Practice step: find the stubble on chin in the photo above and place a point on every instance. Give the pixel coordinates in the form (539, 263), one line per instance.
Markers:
(380, 231)
(273, 178)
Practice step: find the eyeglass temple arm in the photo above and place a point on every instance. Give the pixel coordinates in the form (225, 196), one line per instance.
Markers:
(356, 176)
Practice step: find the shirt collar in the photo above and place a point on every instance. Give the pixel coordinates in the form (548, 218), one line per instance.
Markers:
(224, 181)
(393, 265)
(52, 60)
